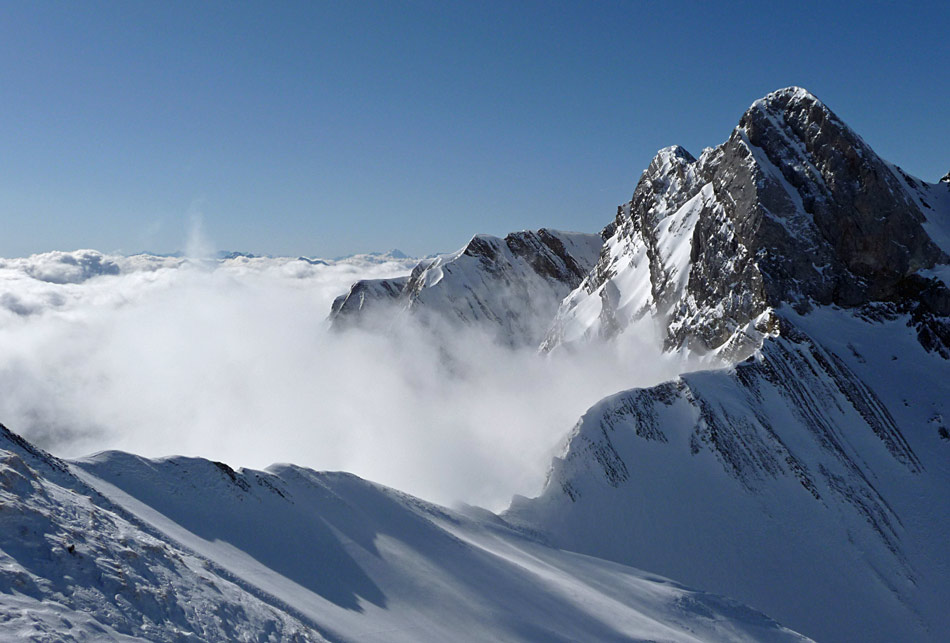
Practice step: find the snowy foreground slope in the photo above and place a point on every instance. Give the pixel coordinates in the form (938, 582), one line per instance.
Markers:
(811, 477)
(117, 547)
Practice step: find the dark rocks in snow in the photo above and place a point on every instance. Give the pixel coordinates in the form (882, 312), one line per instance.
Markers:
(817, 218)
(867, 226)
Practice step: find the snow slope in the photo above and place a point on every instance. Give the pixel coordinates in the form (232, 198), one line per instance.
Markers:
(643, 266)
(810, 482)
(117, 547)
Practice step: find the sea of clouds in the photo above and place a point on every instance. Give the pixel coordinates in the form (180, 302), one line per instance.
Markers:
(233, 360)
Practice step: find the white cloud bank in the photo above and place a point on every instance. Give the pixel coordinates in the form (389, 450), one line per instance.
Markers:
(233, 361)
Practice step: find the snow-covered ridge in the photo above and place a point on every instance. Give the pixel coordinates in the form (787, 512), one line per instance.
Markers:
(117, 547)
(810, 481)
(511, 287)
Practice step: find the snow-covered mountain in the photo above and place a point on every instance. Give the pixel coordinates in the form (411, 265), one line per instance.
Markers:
(510, 287)
(810, 481)
(793, 209)
(805, 474)
(117, 547)
(810, 478)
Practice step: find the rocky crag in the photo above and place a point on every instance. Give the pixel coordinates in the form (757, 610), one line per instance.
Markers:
(793, 209)
(510, 287)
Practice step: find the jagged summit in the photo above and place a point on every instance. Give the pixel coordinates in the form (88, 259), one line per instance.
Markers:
(946, 178)
(835, 199)
(671, 151)
(793, 209)
(791, 94)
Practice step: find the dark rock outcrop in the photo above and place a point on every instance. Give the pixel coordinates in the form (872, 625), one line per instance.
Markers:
(510, 287)
(366, 297)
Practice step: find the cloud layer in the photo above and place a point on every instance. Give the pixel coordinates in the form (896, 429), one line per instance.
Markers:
(232, 360)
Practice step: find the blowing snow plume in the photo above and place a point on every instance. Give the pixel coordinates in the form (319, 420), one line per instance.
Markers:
(156, 356)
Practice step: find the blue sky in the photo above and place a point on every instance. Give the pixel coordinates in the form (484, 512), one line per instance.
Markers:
(328, 128)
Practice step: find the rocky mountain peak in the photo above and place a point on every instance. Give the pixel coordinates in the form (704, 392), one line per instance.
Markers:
(794, 209)
(790, 98)
(822, 219)
(674, 154)
(666, 179)
(670, 174)
(836, 200)
(946, 178)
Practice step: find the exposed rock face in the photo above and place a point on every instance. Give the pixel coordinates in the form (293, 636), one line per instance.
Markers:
(510, 286)
(364, 298)
(793, 209)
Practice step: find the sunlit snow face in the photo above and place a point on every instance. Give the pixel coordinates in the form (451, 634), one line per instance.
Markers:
(233, 361)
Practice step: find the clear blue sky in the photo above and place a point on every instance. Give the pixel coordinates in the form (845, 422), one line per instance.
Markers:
(324, 128)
